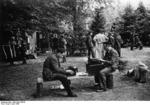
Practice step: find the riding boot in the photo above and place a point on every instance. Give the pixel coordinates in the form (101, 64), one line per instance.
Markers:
(68, 89)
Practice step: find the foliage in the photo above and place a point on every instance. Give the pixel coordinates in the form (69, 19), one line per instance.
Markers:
(128, 22)
(14, 15)
(142, 25)
(135, 22)
(98, 24)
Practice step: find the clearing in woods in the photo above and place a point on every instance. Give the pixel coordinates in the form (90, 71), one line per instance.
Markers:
(19, 82)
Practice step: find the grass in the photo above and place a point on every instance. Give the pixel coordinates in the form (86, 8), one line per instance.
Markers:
(18, 82)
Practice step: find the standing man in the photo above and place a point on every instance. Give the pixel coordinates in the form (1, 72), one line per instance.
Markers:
(118, 43)
(111, 58)
(90, 45)
(63, 47)
(52, 71)
(69, 45)
(55, 43)
(132, 39)
(22, 47)
(138, 43)
(111, 39)
(99, 39)
(13, 45)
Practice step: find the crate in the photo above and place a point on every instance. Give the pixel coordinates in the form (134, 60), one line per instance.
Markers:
(93, 69)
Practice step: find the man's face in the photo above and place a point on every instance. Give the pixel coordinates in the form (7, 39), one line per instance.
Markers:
(107, 47)
(91, 34)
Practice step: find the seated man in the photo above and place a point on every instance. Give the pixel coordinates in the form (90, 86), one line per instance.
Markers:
(52, 71)
(111, 59)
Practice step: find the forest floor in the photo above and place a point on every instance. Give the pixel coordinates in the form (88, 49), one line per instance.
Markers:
(18, 82)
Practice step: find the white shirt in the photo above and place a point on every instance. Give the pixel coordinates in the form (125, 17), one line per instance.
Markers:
(100, 38)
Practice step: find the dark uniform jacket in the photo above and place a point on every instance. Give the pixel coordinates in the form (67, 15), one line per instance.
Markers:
(62, 44)
(89, 42)
(50, 67)
(118, 42)
(112, 41)
(113, 58)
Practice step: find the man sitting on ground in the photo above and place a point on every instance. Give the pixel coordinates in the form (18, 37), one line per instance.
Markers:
(52, 71)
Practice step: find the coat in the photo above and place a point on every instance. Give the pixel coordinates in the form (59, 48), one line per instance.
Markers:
(51, 66)
(113, 57)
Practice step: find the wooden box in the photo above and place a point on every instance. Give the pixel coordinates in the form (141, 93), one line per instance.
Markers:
(92, 69)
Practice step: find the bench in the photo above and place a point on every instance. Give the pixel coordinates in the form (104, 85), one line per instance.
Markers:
(109, 81)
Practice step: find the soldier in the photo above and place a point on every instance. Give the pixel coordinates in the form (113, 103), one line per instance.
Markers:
(111, 39)
(69, 45)
(22, 47)
(13, 45)
(52, 71)
(111, 58)
(55, 43)
(117, 44)
(138, 43)
(63, 46)
(90, 45)
(132, 39)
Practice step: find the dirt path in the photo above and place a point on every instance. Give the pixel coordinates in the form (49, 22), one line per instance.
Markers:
(19, 82)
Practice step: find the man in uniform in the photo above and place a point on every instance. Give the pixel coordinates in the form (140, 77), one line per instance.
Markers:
(117, 44)
(52, 71)
(13, 45)
(22, 47)
(111, 58)
(63, 46)
(90, 45)
(111, 39)
(55, 43)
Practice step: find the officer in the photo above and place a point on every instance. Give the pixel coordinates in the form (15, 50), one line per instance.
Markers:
(90, 45)
(63, 46)
(52, 71)
(13, 45)
(117, 44)
(111, 59)
(55, 43)
(138, 43)
(22, 47)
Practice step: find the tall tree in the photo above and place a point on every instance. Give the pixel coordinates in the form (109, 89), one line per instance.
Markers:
(14, 14)
(141, 23)
(98, 24)
(127, 24)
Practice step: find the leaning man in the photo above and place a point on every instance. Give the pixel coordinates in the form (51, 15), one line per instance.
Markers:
(52, 71)
(111, 60)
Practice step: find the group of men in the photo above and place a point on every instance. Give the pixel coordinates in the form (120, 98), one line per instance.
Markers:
(18, 50)
(95, 43)
(107, 49)
(59, 43)
(102, 50)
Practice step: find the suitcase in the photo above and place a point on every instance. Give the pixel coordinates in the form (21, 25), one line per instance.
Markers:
(95, 65)
(94, 68)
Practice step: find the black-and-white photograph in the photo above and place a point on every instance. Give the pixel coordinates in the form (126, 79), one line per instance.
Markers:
(74, 50)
